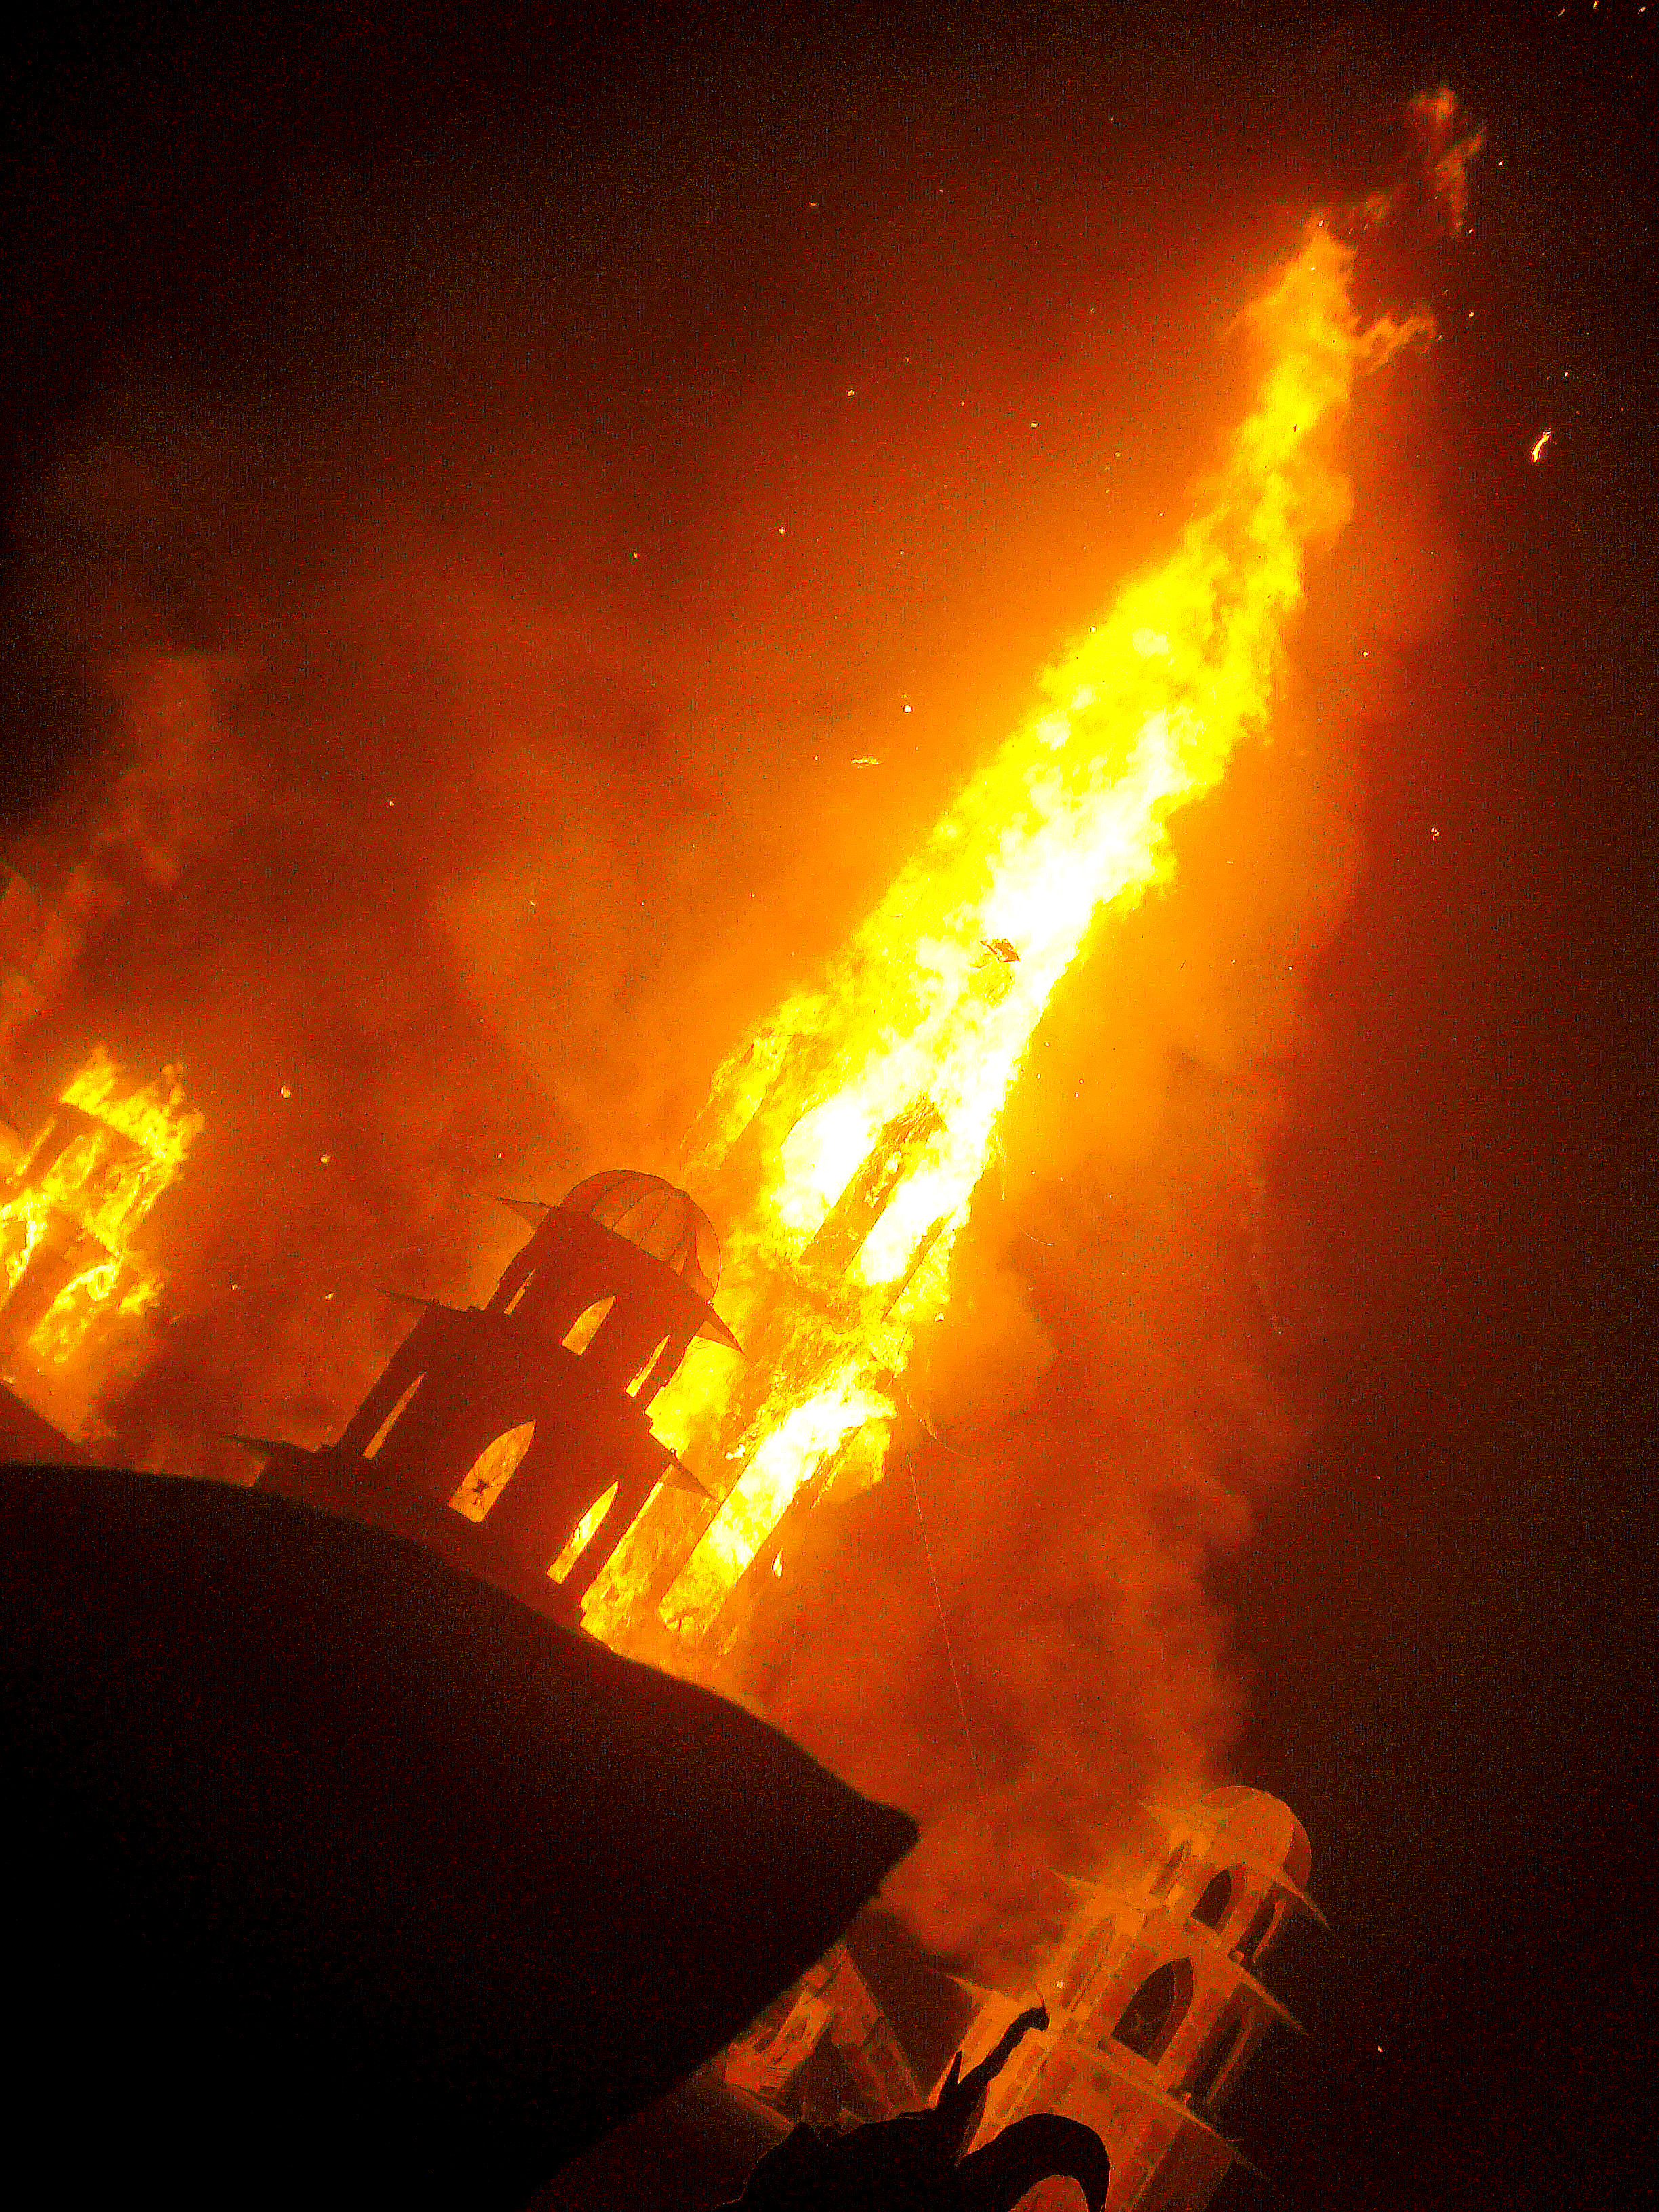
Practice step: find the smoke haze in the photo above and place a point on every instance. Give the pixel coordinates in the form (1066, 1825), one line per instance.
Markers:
(470, 756)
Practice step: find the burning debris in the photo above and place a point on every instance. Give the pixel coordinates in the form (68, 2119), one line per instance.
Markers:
(68, 1234)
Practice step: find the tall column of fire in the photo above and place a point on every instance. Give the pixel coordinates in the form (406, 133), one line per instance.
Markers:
(842, 1142)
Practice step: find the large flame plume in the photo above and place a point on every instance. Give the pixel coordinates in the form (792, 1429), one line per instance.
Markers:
(842, 1142)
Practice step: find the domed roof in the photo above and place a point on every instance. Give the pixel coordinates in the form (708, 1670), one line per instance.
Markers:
(656, 1217)
(1263, 1826)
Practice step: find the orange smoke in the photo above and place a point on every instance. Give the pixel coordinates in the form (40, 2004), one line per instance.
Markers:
(544, 722)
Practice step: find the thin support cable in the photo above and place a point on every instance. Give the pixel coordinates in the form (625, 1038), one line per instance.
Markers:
(358, 1261)
(967, 1733)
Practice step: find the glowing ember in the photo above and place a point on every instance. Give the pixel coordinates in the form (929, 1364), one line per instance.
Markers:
(67, 1235)
(1543, 441)
(843, 1143)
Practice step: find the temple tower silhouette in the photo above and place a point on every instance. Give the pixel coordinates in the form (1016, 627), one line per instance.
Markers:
(515, 1438)
(1155, 2001)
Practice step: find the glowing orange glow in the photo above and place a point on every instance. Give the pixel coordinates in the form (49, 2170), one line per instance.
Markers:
(842, 1142)
(1543, 441)
(486, 1477)
(580, 1534)
(81, 1205)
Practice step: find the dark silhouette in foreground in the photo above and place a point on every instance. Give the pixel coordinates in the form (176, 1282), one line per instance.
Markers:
(915, 2163)
(338, 1877)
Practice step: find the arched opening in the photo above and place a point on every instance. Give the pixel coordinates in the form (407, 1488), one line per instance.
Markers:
(1217, 1901)
(580, 1534)
(1201, 2085)
(585, 1327)
(647, 1363)
(387, 1425)
(1156, 2010)
(1167, 1873)
(1071, 1985)
(1263, 1922)
(485, 1479)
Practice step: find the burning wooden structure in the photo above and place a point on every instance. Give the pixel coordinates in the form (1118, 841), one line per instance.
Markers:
(515, 1438)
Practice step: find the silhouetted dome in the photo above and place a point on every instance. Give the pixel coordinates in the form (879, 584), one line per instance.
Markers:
(1265, 1826)
(655, 1216)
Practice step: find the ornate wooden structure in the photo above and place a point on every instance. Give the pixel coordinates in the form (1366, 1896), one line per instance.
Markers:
(1157, 2002)
(495, 1432)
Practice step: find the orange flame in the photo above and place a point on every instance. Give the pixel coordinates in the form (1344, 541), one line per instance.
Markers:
(842, 1143)
(82, 1200)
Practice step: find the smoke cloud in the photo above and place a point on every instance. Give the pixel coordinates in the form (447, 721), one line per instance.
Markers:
(469, 765)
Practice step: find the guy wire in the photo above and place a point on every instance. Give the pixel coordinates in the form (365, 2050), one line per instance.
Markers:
(962, 1707)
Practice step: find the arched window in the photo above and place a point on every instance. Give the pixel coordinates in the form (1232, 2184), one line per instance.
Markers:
(1156, 2010)
(585, 1327)
(580, 1534)
(1217, 1901)
(1171, 1867)
(1214, 2063)
(385, 1427)
(487, 1477)
(1263, 1922)
(1071, 1985)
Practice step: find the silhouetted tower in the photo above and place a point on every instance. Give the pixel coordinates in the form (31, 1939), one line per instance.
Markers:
(496, 1434)
(1155, 2001)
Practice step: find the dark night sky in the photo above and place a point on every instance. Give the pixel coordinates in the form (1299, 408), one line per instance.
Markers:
(1445, 1618)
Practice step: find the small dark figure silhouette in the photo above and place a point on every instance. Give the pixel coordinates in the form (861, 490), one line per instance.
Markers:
(915, 2163)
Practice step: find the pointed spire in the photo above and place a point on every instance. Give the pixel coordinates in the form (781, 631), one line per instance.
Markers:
(975, 1988)
(1264, 1995)
(527, 1209)
(678, 1476)
(1086, 1889)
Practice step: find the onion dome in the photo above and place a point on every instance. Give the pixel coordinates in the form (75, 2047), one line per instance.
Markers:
(659, 1219)
(1260, 1827)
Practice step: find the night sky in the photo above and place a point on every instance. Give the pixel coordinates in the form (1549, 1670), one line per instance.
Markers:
(265, 251)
